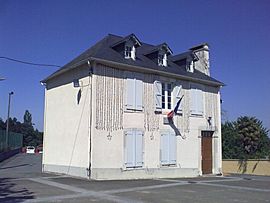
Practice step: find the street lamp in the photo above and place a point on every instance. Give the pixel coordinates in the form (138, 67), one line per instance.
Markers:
(9, 96)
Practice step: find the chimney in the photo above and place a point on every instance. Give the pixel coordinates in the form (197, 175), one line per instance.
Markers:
(202, 53)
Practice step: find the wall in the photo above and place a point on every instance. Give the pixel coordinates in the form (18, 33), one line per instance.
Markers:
(71, 145)
(253, 167)
(66, 124)
(8, 154)
(107, 144)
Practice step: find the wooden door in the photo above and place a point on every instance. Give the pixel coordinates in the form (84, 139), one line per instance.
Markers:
(206, 151)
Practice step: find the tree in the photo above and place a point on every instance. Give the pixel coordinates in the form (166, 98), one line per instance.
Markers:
(27, 118)
(31, 136)
(230, 141)
(252, 135)
(244, 139)
(2, 125)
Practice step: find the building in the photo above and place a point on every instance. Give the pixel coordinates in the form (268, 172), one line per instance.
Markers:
(106, 113)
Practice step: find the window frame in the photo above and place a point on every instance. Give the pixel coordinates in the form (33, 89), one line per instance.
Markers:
(162, 59)
(127, 51)
(165, 97)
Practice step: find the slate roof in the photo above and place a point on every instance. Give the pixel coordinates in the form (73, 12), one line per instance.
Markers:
(103, 50)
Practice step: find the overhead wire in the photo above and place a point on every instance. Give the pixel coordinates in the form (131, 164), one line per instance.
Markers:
(29, 63)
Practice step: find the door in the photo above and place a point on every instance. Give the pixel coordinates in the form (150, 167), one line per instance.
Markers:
(207, 151)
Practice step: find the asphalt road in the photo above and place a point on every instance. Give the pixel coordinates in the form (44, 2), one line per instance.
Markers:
(21, 180)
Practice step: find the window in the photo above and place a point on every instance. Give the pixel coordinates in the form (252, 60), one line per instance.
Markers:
(168, 148)
(162, 59)
(197, 103)
(134, 92)
(130, 52)
(133, 148)
(190, 66)
(166, 96)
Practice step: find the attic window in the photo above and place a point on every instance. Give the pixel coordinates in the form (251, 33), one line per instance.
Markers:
(190, 66)
(129, 52)
(162, 60)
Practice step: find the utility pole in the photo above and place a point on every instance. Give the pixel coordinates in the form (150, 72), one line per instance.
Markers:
(7, 133)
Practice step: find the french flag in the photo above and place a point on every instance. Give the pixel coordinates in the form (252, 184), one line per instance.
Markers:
(174, 111)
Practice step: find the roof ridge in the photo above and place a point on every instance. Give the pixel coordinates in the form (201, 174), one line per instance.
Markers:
(114, 35)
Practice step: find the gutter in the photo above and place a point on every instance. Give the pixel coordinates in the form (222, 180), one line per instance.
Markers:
(89, 169)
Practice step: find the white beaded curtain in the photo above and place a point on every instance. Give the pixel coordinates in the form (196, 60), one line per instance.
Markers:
(151, 119)
(109, 98)
(182, 120)
(210, 105)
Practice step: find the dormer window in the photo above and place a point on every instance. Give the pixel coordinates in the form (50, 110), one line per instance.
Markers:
(162, 59)
(190, 66)
(130, 52)
(127, 46)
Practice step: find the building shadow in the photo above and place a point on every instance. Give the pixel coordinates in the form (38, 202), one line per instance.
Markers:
(1, 168)
(9, 192)
(242, 165)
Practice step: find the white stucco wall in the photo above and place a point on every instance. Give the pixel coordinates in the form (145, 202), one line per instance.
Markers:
(67, 133)
(108, 147)
(66, 124)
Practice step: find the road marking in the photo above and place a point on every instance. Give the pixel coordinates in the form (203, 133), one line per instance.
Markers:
(234, 187)
(82, 193)
(199, 181)
(58, 185)
(108, 194)
(143, 188)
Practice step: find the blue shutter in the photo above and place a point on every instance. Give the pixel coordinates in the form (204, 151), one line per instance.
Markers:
(129, 149)
(130, 94)
(158, 96)
(164, 144)
(177, 93)
(139, 148)
(172, 148)
(139, 94)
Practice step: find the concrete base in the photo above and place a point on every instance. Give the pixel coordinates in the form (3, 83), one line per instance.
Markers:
(143, 173)
(68, 170)
(122, 174)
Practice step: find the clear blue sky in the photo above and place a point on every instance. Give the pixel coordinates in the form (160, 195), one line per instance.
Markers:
(55, 32)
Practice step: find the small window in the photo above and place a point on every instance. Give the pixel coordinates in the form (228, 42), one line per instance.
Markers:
(190, 66)
(166, 96)
(162, 60)
(128, 50)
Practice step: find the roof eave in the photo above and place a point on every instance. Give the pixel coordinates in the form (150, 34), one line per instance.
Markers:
(143, 69)
(61, 71)
(139, 68)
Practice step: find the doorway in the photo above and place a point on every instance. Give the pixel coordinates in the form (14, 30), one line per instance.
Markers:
(206, 147)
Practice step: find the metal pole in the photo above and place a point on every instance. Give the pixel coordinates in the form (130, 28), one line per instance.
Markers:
(7, 133)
